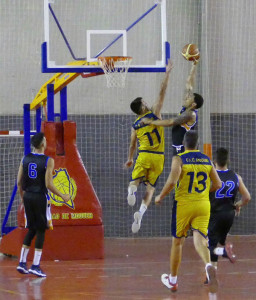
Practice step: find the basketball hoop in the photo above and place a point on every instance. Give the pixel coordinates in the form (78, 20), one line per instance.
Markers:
(115, 69)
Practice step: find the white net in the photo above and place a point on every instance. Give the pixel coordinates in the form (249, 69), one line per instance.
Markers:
(11, 148)
(115, 69)
(12, 151)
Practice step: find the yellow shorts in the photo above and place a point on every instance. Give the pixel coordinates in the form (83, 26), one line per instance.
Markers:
(148, 167)
(194, 214)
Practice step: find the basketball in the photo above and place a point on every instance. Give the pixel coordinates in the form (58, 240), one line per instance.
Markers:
(190, 52)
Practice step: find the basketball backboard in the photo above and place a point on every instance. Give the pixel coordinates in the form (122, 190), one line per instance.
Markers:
(83, 30)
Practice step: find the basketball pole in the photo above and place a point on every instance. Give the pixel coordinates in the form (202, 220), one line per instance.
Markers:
(63, 105)
(50, 102)
(38, 119)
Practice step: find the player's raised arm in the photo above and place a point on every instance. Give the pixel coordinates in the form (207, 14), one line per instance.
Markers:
(172, 179)
(190, 82)
(132, 148)
(157, 107)
(49, 182)
(191, 77)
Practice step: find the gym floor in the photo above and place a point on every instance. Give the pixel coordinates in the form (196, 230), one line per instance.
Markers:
(131, 270)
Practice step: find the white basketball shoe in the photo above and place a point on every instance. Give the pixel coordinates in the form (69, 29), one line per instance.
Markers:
(137, 222)
(131, 198)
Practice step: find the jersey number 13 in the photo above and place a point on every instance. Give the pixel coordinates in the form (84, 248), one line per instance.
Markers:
(201, 179)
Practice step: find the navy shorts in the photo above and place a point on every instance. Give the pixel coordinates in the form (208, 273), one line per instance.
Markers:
(35, 205)
(219, 226)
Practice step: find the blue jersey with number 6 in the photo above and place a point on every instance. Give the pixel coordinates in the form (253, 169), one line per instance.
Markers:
(34, 168)
(224, 198)
(194, 182)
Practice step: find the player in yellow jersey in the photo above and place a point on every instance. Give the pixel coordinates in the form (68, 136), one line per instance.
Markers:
(193, 176)
(150, 161)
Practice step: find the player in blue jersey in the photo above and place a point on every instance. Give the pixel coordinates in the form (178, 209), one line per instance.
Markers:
(193, 176)
(188, 116)
(224, 207)
(150, 160)
(34, 180)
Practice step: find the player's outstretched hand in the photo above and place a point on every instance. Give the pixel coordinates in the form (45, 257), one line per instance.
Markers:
(238, 210)
(158, 200)
(195, 61)
(129, 163)
(65, 197)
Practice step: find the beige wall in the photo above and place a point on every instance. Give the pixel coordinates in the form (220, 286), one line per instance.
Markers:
(224, 29)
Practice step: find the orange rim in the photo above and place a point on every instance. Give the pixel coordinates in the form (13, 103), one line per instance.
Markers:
(107, 59)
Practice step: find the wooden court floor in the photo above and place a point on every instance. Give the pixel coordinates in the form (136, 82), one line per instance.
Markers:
(131, 270)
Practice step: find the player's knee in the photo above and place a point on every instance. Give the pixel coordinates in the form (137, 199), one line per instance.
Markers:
(177, 241)
(29, 237)
(150, 189)
(199, 240)
(149, 193)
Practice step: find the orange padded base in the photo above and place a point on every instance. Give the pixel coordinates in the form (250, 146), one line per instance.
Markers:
(62, 243)
(78, 228)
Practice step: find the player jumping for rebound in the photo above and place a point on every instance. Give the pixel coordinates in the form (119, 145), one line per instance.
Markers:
(188, 116)
(150, 161)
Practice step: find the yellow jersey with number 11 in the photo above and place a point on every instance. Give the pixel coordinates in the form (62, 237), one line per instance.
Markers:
(150, 137)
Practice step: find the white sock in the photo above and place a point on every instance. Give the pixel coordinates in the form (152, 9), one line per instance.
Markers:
(37, 257)
(218, 251)
(173, 279)
(212, 296)
(24, 254)
(143, 208)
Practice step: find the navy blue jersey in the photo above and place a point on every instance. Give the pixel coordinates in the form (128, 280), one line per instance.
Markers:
(34, 168)
(224, 198)
(178, 131)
